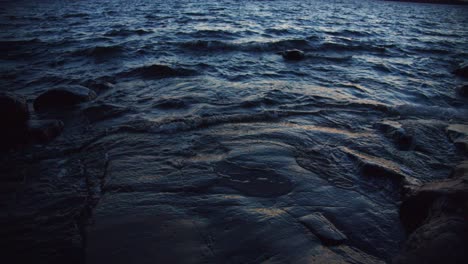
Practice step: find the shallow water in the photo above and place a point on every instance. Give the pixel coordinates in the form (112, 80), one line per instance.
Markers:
(202, 129)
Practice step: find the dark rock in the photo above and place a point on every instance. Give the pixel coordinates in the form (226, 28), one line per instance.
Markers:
(457, 131)
(371, 166)
(462, 70)
(415, 209)
(463, 90)
(294, 54)
(323, 229)
(63, 97)
(397, 133)
(13, 109)
(42, 210)
(442, 240)
(458, 134)
(44, 130)
(13, 115)
(435, 216)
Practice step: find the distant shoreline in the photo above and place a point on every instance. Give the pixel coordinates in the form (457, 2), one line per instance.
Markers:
(442, 2)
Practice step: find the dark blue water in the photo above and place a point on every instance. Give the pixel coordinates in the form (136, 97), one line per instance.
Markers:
(205, 121)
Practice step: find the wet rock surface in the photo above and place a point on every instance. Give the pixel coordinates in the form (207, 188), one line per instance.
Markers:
(396, 132)
(63, 97)
(458, 134)
(285, 190)
(323, 228)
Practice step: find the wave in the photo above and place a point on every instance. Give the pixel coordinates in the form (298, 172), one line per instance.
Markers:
(188, 123)
(349, 33)
(216, 33)
(126, 32)
(277, 31)
(185, 124)
(334, 46)
(100, 51)
(331, 58)
(170, 103)
(12, 44)
(181, 124)
(434, 112)
(430, 50)
(19, 49)
(274, 46)
(75, 15)
(216, 45)
(157, 71)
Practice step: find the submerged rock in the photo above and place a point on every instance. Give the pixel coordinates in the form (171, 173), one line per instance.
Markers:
(293, 54)
(63, 97)
(98, 86)
(462, 70)
(323, 229)
(44, 130)
(13, 109)
(103, 111)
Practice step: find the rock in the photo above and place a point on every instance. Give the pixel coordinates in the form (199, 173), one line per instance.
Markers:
(44, 130)
(435, 216)
(463, 90)
(294, 54)
(63, 97)
(13, 115)
(462, 70)
(416, 208)
(442, 240)
(371, 166)
(13, 109)
(397, 133)
(458, 133)
(323, 229)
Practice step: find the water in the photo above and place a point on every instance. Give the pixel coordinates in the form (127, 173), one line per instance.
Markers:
(200, 123)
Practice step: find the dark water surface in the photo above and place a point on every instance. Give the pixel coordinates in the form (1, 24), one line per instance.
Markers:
(206, 146)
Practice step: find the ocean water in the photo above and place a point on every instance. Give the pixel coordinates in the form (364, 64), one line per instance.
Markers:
(201, 128)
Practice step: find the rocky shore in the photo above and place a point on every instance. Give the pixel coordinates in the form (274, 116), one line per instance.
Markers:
(233, 132)
(77, 222)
